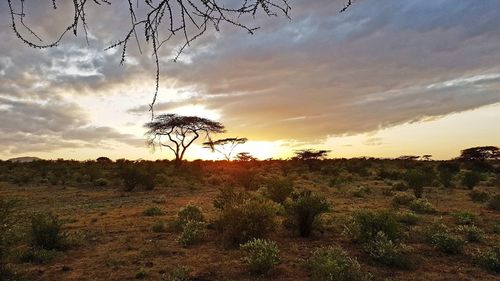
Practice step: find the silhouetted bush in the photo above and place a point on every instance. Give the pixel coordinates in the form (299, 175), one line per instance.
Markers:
(366, 225)
(279, 189)
(333, 263)
(246, 178)
(261, 255)
(303, 209)
(253, 218)
(228, 196)
(416, 179)
(47, 233)
(133, 177)
(471, 179)
(446, 172)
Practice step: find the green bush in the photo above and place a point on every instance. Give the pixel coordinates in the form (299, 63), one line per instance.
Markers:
(228, 196)
(101, 182)
(422, 206)
(152, 212)
(303, 210)
(447, 243)
(390, 253)
(465, 217)
(490, 259)
(366, 225)
(402, 198)
(416, 179)
(472, 233)
(470, 179)
(193, 231)
(190, 213)
(261, 255)
(334, 264)
(408, 217)
(253, 218)
(494, 203)
(279, 189)
(479, 196)
(159, 226)
(47, 233)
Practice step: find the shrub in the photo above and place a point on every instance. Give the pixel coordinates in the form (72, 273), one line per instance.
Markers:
(190, 213)
(464, 217)
(470, 179)
(422, 206)
(472, 233)
(261, 255)
(133, 177)
(400, 186)
(366, 225)
(409, 218)
(193, 231)
(303, 209)
(101, 182)
(278, 189)
(490, 259)
(152, 212)
(447, 171)
(39, 256)
(479, 196)
(253, 218)
(334, 264)
(159, 226)
(46, 232)
(447, 243)
(360, 192)
(390, 253)
(246, 178)
(416, 179)
(402, 198)
(227, 197)
(494, 203)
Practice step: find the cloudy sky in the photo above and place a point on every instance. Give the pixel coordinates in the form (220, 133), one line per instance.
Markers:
(386, 78)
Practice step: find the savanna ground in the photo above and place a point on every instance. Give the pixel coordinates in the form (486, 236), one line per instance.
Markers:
(113, 238)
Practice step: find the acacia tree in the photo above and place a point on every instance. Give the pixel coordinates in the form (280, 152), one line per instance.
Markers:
(310, 154)
(480, 153)
(177, 133)
(244, 157)
(225, 146)
(161, 21)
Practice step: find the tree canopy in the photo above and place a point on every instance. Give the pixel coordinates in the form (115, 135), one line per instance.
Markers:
(225, 146)
(480, 153)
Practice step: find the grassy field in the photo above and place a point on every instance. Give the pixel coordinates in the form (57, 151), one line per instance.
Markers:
(115, 237)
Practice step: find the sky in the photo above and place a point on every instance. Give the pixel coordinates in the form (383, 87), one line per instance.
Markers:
(386, 78)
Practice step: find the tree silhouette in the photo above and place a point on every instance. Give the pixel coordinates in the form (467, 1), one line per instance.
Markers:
(310, 154)
(480, 153)
(178, 132)
(161, 21)
(244, 157)
(225, 146)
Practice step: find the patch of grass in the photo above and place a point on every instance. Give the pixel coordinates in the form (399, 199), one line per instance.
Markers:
(39, 256)
(159, 226)
(402, 199)
(494, 203)
(479, 196)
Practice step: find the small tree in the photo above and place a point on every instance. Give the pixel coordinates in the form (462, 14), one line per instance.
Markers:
(471, 179)
(225, 146)
(416, 179)
(446, 172)
(244, 157)
(180, 132)
(310, 154)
